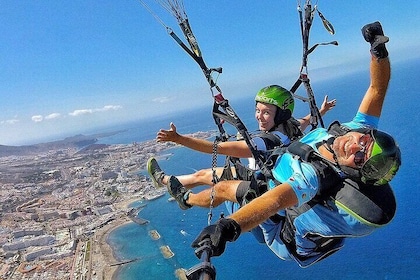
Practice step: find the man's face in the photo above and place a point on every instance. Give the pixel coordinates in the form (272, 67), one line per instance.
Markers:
(265, 113)
(353, 148)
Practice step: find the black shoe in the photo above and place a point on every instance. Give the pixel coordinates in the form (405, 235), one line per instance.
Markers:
(179, 192)
(156, 174)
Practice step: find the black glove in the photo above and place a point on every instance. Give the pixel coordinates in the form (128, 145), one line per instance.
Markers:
(222, 231)
(374, 35)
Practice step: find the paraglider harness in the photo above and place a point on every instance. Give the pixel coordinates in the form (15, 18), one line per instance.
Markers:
(306, 17)
(222, 111)
(373, 206)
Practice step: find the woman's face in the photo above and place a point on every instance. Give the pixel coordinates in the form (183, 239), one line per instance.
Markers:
(265, 113)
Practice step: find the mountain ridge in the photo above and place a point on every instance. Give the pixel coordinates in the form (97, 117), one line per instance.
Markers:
(77, 141)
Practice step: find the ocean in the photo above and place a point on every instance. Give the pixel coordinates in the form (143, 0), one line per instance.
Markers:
(392, 252)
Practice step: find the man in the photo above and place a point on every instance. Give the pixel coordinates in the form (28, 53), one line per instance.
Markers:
(355, 151)
(274, 107)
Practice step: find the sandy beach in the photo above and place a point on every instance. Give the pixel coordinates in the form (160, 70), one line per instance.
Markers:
(103, 256)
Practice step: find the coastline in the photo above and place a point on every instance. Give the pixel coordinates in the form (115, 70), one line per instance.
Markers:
(104, 255)
(104, 260)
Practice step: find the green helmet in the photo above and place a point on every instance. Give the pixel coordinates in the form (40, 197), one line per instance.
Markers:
(384, 161)
(280, 97)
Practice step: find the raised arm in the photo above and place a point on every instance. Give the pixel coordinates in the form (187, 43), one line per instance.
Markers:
(325, 107)
(380, 70)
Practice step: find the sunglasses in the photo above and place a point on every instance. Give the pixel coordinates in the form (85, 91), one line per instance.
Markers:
(360, 156)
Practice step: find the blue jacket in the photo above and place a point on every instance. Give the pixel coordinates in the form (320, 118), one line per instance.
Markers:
(319, 221)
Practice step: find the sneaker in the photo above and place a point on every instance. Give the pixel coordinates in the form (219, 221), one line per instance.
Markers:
(179, 192)
(156, 174)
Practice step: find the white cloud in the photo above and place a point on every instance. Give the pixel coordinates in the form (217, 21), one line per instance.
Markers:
(76, 113)
(80, 112)
(163, 99)
(110, 107)
(37, 118)
(40, 118)
(52, 116)
(11, 121)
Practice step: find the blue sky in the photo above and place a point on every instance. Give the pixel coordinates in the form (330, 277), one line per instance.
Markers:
(68, 67)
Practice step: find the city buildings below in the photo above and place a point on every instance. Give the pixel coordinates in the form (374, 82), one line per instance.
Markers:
(52, 204)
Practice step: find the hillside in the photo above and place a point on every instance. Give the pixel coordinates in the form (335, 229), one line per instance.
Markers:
(77, 141)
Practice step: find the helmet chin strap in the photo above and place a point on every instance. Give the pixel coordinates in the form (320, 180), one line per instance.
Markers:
(351, 172)
(282, 116)
(327, 144)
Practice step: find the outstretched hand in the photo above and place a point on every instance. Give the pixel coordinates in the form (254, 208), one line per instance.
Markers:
(167, 135)
(327, 105)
